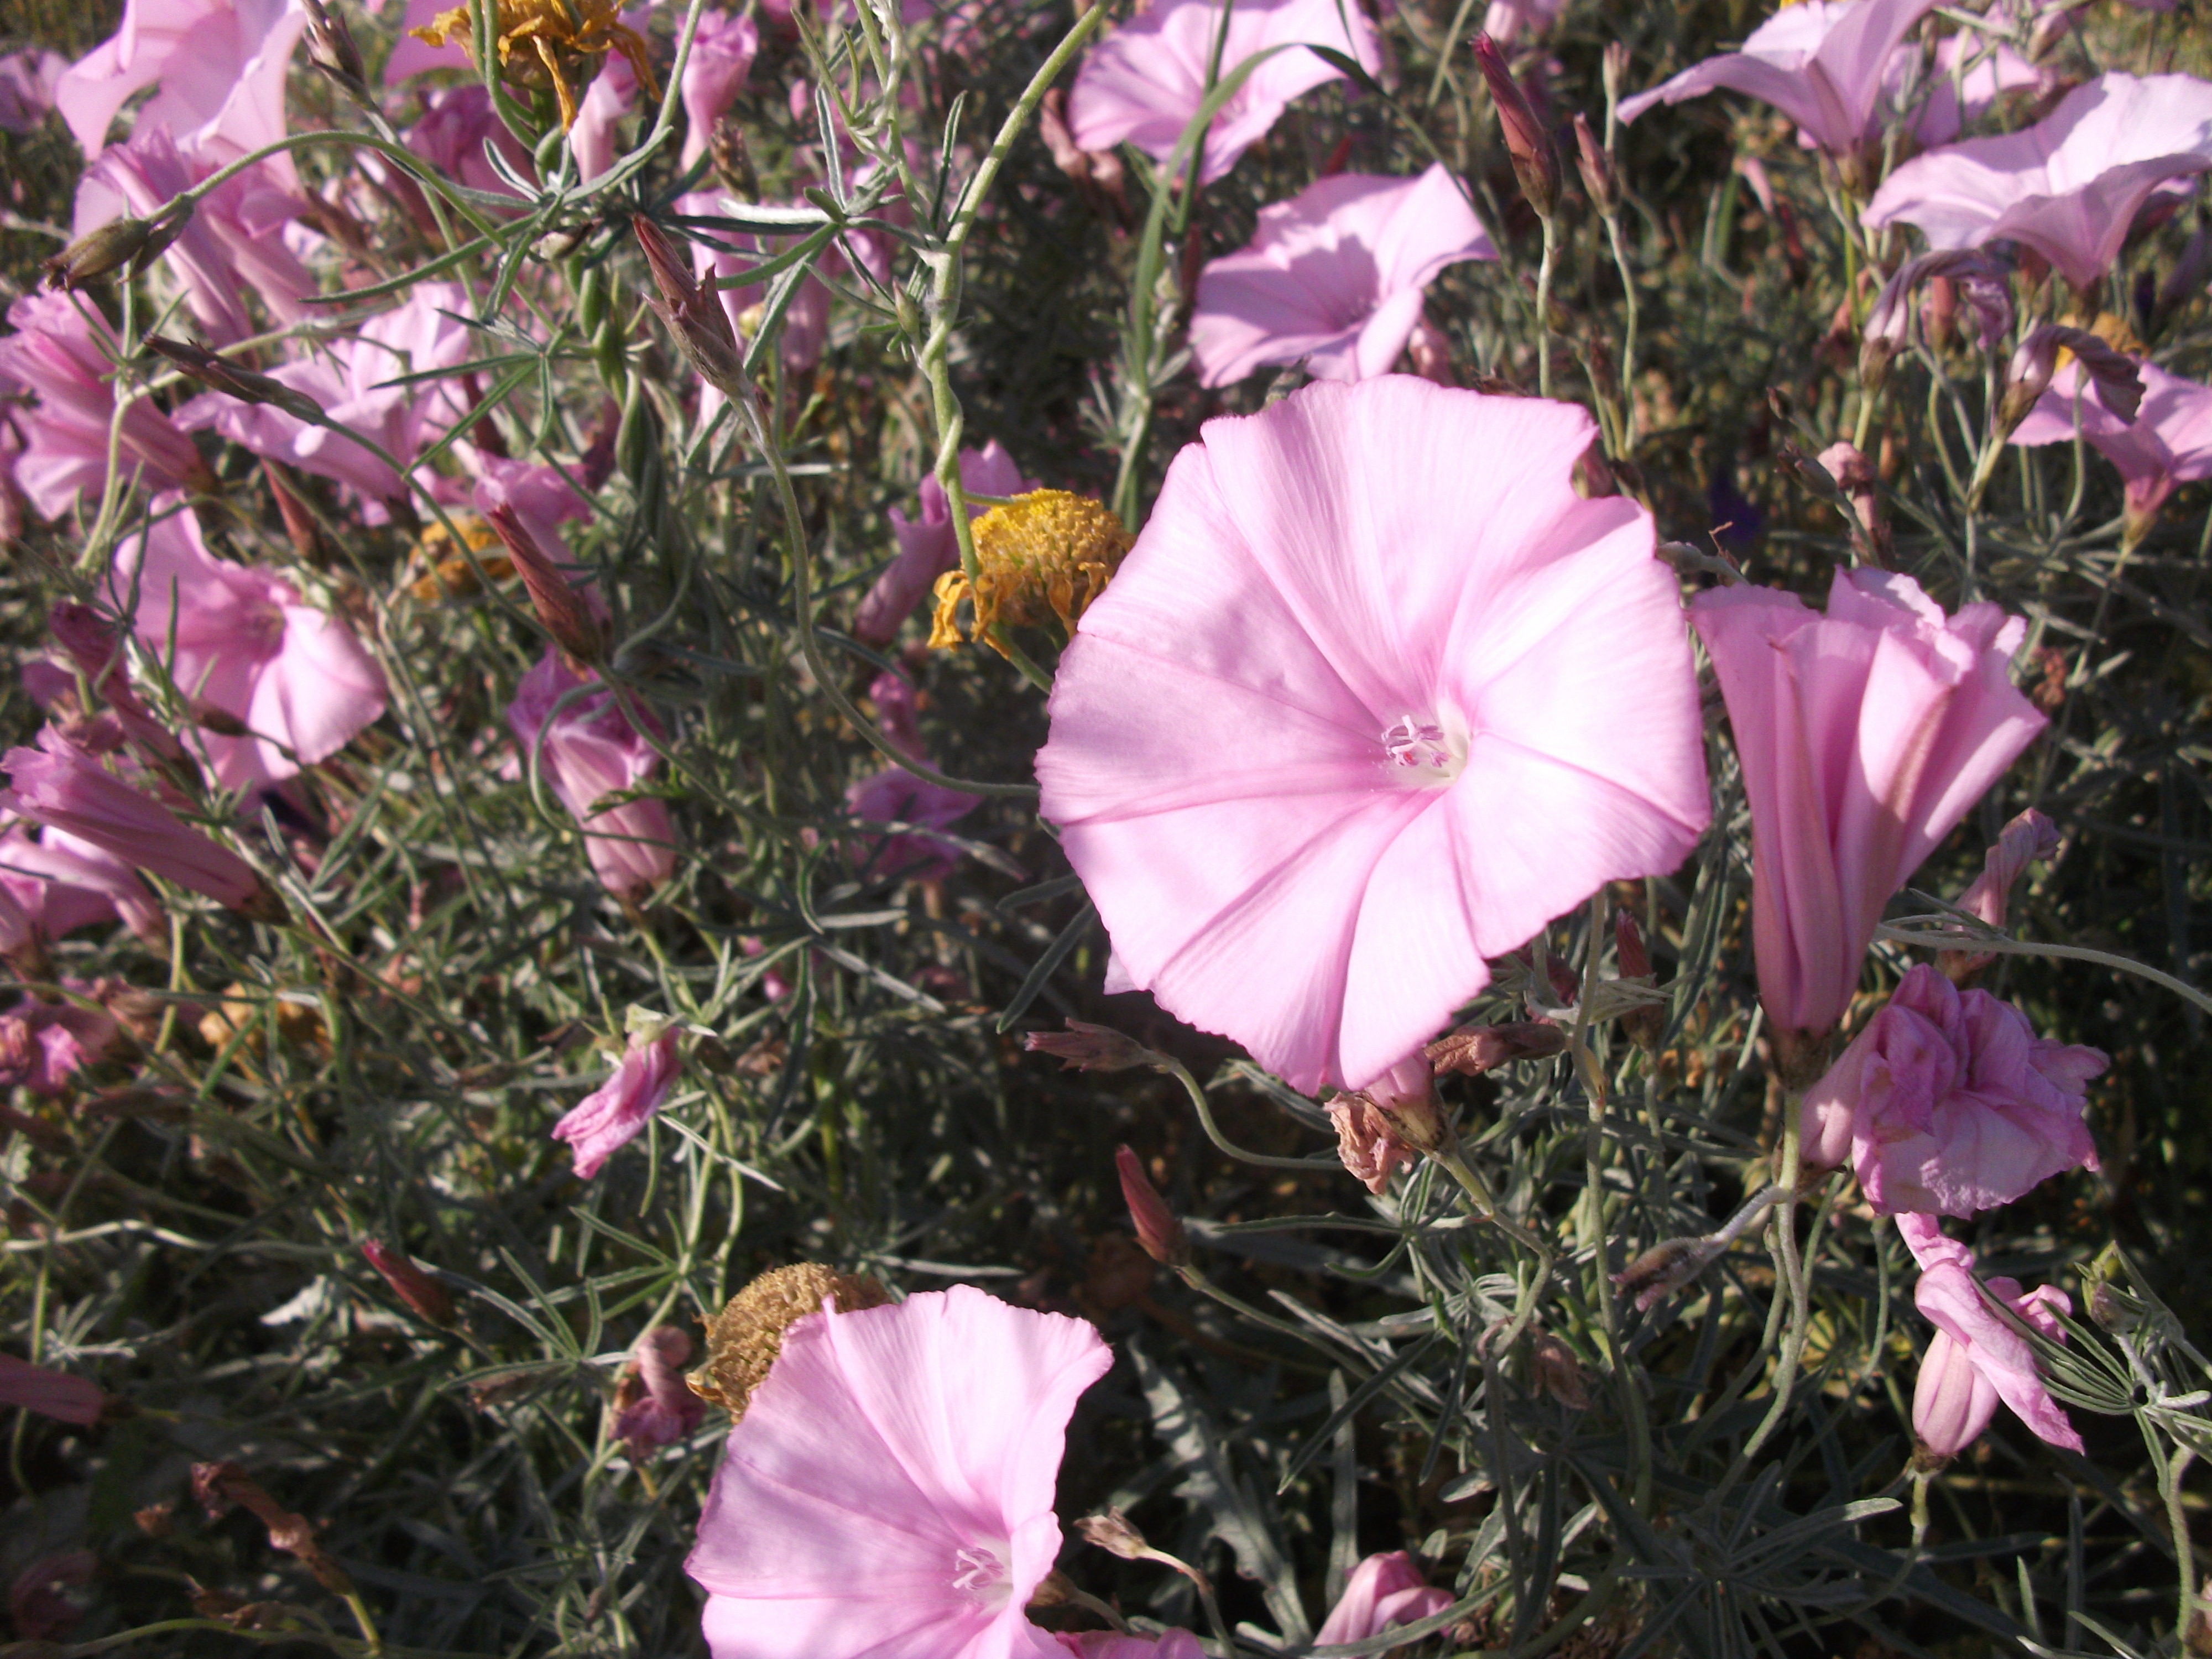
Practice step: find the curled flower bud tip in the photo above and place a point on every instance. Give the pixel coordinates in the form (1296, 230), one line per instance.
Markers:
(1158, 1229)
(1086, 1048)
(1115, 1534)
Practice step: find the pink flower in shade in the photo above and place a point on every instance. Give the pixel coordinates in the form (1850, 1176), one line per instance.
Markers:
(895, 795)
(1976, 1359)
(1949, 1103)
(61, 786)
(1332, 276)
(614, 1114)
(1375, 696)
(722, 53)
(926, 547)
(1993, 69)
(42, 1044)
(2071, 186)
(65, 356)
(653, 1407)
(457, 123)
(58, 883)
(1819, 63)
(1107, 1644)
(1864, 736)
(889, 1486)
(587, 751)
(1143, 82)
(2168, 443)
(611, 95)
(220, 65)
(27, 89)
(94, 646)
(245, 647)
(1382, 1592)
(50, 1392)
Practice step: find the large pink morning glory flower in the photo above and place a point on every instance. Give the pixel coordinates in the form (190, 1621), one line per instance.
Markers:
(1333, 276)
(1375, 696)
(1143, 82)
(2068, 186)
(220, 65)
(889, 1489)
(2168, 443)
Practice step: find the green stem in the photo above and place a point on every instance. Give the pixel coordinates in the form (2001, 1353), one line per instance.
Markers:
(1544, 306)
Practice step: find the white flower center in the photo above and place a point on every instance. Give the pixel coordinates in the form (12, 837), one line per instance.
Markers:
(1426, 751)
(981, 1570)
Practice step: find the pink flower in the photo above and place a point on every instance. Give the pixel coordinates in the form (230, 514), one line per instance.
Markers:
(26, 87)
(457, 123)
(1106, 1645)
(2168, 443)
(1383, 1591)
(895, 795)
(926, 547)
(722, 52)
(59, 884)
(51, 1393)
(1508, 19)
(614, 1114)
(1949, 1102)
(411, 55)
(1995, 69)
(1819, 63)
(2071, 186)
(1143, 82)
(2028, 839)
(1375, 696)
(587, 751)
(1976, 1359)
(659, 1410)
(611, 95)
(248, 647)
(889, 1488)
(42, 1044)
(64, 355)
(219, 64)
(1864, 736)
(61, 786)
(1333, 276)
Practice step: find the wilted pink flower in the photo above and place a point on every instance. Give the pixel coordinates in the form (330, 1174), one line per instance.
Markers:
(248, 648)
(50, 1392)
(1975, 1359)
(2168, 443)
(219, 64)
(1374, 697)
(59, 784)
(1332, 276)
(1143, 82)
(60, 353)
(1947, 1102)
(1383, 1591)
(588, 752)
(889, 1486)
(1109, 1645)
(2027, 840)
(659, 1411)
(457, 123)
(59, 884)
(1821, 63)
(895, 795)
(2071, 186)
(926, 546)
(42, 1044)
(722, 52)
(26, 87)
(615, 1112)
(1864, 736)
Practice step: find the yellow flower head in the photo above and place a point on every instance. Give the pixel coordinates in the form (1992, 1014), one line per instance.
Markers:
(446, 574)
(1044, 554)
(557, 36)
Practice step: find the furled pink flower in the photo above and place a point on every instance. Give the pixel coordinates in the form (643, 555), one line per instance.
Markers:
(2169, 442)
(2071, 186)
(50, 1392)
(1375, 696)
(658, 1410)
(926, 546)
(26, 87)
(59, 883)
(1332, 276)
(457, 123)
(59, 784)
(42, 1044)
(61, 353)
(1949, 1103)
(587, 751)
(2028, 839)
(889, 1486)
(1383, 1591)
(611, 95)
(1108, 1644)
(1864, 736)
(1821, 63)
(617, 1112)
(1143, 82)
(722, 53)
(246, 646)
(895, 795)
(1975, 1359)
(220, 65)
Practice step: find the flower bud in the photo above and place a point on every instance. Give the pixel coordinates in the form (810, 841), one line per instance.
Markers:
(1852, 474)
(1535, 163)
(1614, 70)
(1474, 1049)
(118, 243)
(1596, 167)
(1559, 1373)
(1115, 1534)
(560, 607)
(1158, 1228)
(1645, 1022)
(330, 46)
(221, 375)
(1667, 1266)
(692, 314)
(1087, 1047)
(421, 1293)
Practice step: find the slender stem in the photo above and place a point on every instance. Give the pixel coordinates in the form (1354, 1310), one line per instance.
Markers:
(1628, 342)
(1544, 306)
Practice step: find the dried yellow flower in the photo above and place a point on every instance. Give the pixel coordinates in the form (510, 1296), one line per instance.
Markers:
(1043, 554)
(559, 34)
(744, 1340)
(443, 573)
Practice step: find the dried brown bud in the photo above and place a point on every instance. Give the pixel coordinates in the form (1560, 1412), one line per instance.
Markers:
(1559, 1373)
(693, 314)
(1646, 1022)
(1158, 1229)
(559, 604)
(1535, 164)
(330, 46)
(744, 1340)
(1115, 1534)
(1475, 1049)
(155, 1519)
(116, 245)
(219, 374)
(421, 1293)
(733, 162)
(1087, 1047)
(220, 1485)
(1667, 1266)
(1367, 1142)
(1596, 167)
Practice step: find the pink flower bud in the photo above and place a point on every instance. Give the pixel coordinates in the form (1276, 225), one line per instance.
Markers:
(693, 314)
(1115, 1534)
(1596, 167)
(2028, 839)
(1084, 1046)
(1667, 1266)
(421, 1293)
(1535, 162)
(1645, 1024)
(1559, 1373)
(564, 611)
(1158, 1229)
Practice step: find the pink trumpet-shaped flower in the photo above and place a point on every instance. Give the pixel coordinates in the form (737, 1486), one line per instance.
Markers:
(1819, 63)
(2071, 186)
(655, 1408)
(926, 546)
(587, 751)
(722, 53)
(889, 1488)
(1949, 1103)
(1383, 1591)
(50, 1392)
(219, 64)
(1145, 81)
(26, 87)
(2169, 442)
(42, 1044)
(1864, 736)
(895, 795)
(292, 679)
(1332, 276)
(1507, 21)
(1992, 70)
(1975, 1359)
(59, 884)
(1374, 697)
(616, 1113)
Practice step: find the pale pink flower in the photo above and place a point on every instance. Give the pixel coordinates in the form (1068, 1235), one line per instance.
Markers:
(1107, 1644)
(1821, 63)
(457, 123)
(220, 65)
(2168, 443)
(59, 883)
(65, 357)
(1864, 737)
(722, 52)
(926, 546)
(655, 1408)
(1145, 81)
(51, 1393)
(611, 95)
(2071, 186)
(42, 1044)
(1332, 276)
(588, 752)
(895, 795)
(1375, 696)
(246, 646)
(616, 1113)
(1383, 1591)
(1949, 1103)
(889, 1486)
(2028, 839)
(1976, 1359)
(1993, 69)
(26, 87)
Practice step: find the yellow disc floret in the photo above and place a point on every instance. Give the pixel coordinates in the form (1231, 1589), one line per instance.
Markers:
(557, 35)
(1042, 556)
